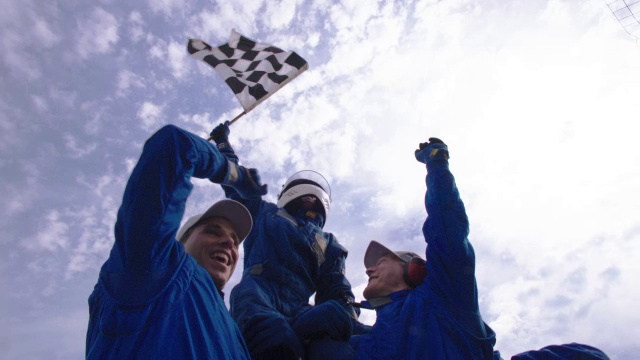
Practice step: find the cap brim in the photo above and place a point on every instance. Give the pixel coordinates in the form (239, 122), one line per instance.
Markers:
(236, 213)
(374, 252)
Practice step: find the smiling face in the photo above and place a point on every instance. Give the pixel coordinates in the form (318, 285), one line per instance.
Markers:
(214, 245)
(385, 277)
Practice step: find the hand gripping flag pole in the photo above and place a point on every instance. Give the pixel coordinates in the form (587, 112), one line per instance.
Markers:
(252, 70)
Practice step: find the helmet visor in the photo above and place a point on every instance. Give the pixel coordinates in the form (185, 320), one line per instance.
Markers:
(307, 177)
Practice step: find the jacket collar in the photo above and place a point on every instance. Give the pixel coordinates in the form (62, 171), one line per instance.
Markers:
(377, 303)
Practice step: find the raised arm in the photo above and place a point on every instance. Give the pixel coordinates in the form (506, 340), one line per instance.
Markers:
(450, 256)
(154, 201)
(220, 135)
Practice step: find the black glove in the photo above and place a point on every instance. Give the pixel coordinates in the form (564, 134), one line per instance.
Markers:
(271, 335)
(220, 133)
(360, 328)
(246, 182)
(434, 149)
(326, 319)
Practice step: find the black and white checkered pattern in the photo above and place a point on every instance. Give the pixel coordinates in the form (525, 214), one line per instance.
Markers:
(253, 71)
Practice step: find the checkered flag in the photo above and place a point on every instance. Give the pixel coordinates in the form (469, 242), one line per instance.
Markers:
(253, 71)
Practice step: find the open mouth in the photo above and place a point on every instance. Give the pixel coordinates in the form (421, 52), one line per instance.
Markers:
(221, 257)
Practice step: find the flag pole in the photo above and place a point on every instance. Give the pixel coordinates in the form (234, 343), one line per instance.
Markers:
(237, 117)
(231, 122)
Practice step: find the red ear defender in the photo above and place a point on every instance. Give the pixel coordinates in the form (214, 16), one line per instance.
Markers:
(415, 271)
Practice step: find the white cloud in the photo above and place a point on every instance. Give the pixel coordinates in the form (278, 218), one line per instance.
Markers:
(53, 235)
(215, 26)
(136, 24)
(77, 150)
(167, 7)
(130, 164)
(313, 40)
(177, 56)
(174, 55)
(127, 80)
(97, 33)
(19, 197)
(279, 15)
(151, 115)
(24, 34)
(204, 123)
(44, 35)
(93, 224)
(22, 63)
(157, 50)
(94, 239)
(94, 114)
(559, 299)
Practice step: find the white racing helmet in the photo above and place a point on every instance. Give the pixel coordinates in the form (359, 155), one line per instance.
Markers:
(306, 182)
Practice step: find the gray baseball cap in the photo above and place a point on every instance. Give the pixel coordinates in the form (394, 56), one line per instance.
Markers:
(236, 213)
(376, 250)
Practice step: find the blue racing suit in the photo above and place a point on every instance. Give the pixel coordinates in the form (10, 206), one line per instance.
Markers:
(152, 300)
(286, 260)
(439, 319)
(288, 257)
(563, 352)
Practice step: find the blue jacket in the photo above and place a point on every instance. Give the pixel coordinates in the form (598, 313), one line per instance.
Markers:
(288, 257)
(440, 319)
(152, 300)
(563, 352)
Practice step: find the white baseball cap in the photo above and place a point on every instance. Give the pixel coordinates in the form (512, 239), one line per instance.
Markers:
(236, 213)
(376, 250)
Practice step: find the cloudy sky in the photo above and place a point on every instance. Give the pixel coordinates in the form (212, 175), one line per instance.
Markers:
(538, 101)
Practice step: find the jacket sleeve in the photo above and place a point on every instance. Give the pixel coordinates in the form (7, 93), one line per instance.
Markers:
(450, 256)
(332, 283)
(146, 252)
(254, 205)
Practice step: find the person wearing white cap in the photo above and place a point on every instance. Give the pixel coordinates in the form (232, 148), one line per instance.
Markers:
(427, 309)
(158, 298)
(287, 258)
(213, 238)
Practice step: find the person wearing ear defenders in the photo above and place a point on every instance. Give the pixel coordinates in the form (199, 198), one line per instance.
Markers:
(427, 309)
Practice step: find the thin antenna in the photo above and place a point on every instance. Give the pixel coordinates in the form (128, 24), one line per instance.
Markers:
(627, 12)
